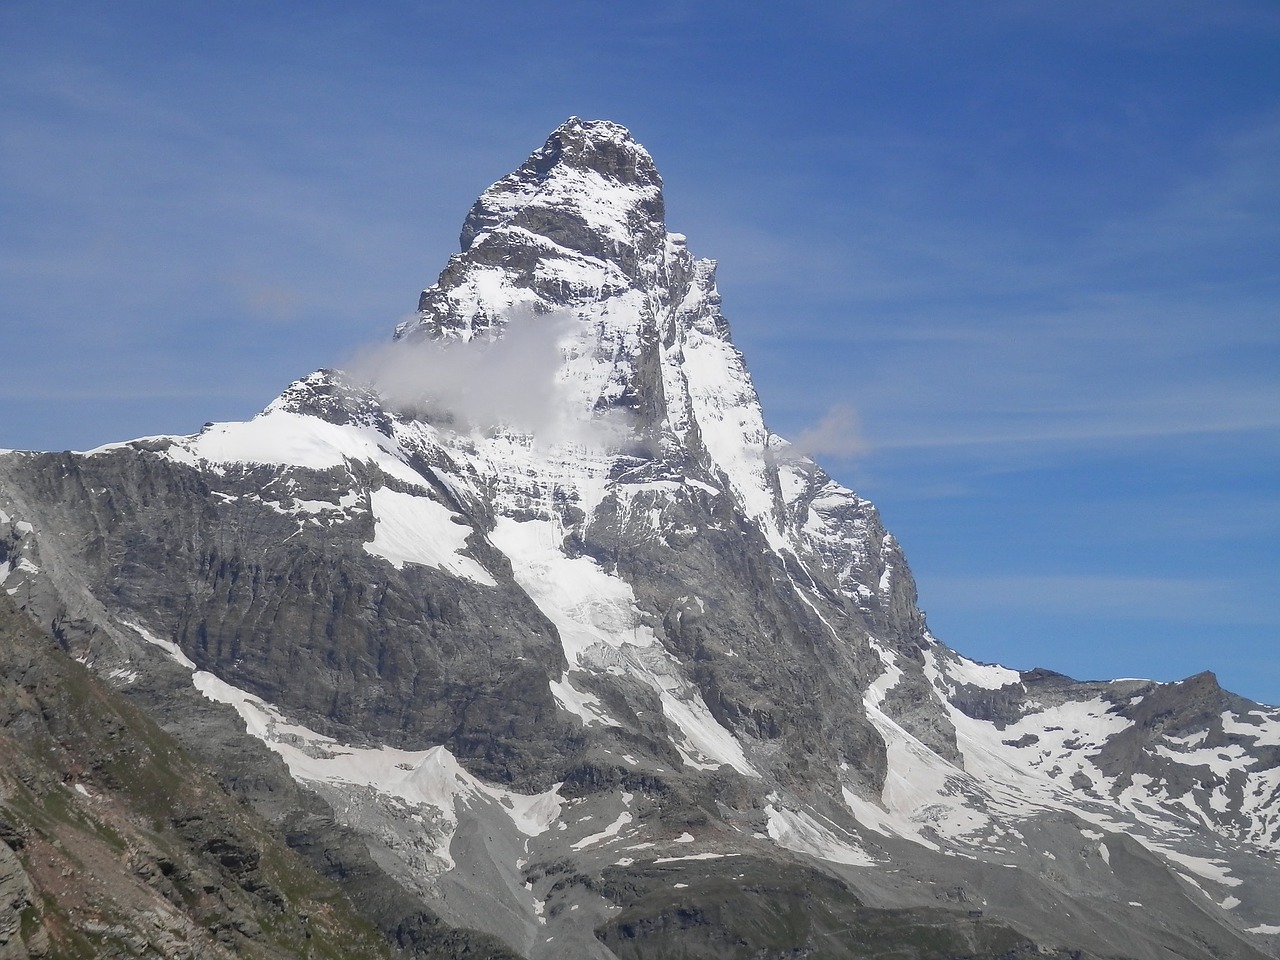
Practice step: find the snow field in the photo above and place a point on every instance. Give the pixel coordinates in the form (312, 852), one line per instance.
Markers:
(413, 529)
(601, 628)
(283, 438)
(801, 832)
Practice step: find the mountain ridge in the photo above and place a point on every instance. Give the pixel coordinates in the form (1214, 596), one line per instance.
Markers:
(652, 617)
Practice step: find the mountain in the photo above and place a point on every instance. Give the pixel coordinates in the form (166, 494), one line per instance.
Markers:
(557, 642)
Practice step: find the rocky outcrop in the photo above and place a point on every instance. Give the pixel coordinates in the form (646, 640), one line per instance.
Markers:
(778, 911)
(21, 935)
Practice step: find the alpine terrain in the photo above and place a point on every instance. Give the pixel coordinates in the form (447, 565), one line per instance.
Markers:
(529, 639)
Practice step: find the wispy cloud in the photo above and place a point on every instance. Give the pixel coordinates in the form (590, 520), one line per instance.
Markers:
(1204, 600)
(1228, 210)
(838, 434)
(1156, 323)
(514, 382)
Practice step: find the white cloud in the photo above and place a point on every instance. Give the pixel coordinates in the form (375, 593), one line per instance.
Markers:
(837, 434)
(514, 382)
(1186, 599)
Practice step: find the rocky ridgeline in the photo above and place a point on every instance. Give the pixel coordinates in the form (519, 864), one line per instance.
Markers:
(528, 624)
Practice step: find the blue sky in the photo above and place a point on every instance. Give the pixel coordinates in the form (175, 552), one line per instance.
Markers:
(1012, 267)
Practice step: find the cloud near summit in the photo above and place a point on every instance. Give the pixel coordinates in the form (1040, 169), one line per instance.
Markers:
(837, 434)
(513, 382)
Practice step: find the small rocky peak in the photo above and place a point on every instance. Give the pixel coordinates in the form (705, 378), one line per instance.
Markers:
(329, 395)
(1184, 707)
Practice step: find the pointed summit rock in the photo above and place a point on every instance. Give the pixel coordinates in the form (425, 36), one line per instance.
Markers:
(581, 219)
(574, 241)
(588, 171)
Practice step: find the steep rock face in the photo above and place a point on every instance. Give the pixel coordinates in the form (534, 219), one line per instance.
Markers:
(474, 668)
(577, 230)
(539, 650)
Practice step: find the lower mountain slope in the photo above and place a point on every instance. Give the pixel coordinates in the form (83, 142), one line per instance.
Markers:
(115, 842)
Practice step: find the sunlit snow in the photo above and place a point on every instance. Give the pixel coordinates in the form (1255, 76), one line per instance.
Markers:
(610, 831)
(800, 831)
(416, 529)
(601, 628)
(168, 646)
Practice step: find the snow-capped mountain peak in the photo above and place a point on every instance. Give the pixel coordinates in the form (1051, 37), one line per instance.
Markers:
(591, 174)
(541, 553)
(582, 218)
(573, 243)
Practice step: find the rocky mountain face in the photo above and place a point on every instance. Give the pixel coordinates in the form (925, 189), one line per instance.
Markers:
(528, 629)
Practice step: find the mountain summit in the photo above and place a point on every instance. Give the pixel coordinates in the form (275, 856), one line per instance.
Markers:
(529, 625)
(590, 180)
(583, 217)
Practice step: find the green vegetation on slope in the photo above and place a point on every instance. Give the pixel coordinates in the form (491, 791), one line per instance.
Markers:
(115, 842)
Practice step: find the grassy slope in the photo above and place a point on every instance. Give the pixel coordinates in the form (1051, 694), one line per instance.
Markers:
(126, 844)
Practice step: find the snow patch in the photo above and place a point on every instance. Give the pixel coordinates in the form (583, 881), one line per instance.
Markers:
(168, 646)
(1215, 870)
(799, 831)
(610, 831)
(587, 605)
(281, 438)
(697, 856)
(584, 705)
(413, 529)
(724, 404)
(988, 676)
(22, 566)
(429, 777)
(601, 628)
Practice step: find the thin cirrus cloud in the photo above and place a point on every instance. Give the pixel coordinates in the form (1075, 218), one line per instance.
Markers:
(1073, 348)
(1200, 236)
(1168, 417)
(1207, 600)
(1220, 225)
(838, 434)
